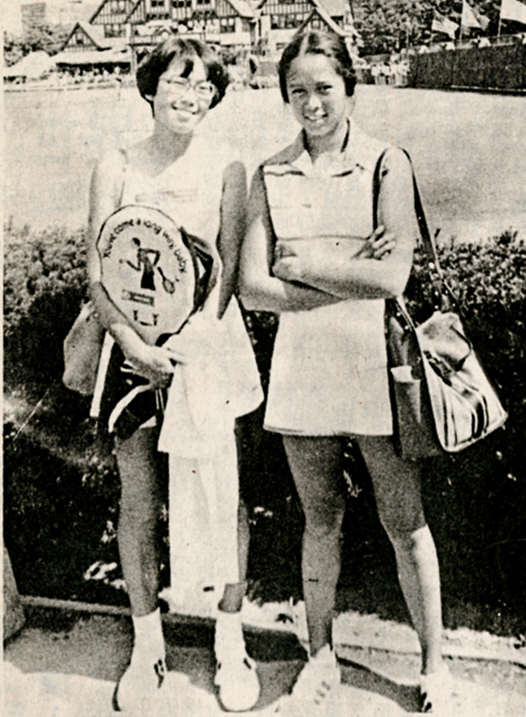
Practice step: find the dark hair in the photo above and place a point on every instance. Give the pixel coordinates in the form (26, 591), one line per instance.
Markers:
(158, 61)
(316, 42)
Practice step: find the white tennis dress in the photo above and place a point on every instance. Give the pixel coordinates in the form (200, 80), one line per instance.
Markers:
(329, 365)
(218, 383)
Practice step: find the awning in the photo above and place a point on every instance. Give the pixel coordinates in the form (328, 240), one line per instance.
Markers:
(92, 57)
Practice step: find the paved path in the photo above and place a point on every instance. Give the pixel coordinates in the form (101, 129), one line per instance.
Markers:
(70, 671)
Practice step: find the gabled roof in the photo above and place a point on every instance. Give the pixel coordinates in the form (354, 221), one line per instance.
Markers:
(321, 12)
(137, 12)
(93, 33)
(335, 8)
(101, 6)
(243, 8)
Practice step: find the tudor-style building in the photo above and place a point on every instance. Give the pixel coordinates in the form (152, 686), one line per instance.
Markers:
(281, 19)
(86, 48)
(231, 23)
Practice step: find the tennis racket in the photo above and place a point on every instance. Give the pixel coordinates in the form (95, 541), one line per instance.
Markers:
(157, 275)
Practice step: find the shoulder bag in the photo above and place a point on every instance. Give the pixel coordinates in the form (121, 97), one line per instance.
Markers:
(442, 400)
(82, 350)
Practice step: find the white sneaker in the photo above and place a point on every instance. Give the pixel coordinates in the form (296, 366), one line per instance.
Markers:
(435, 692)
(139, 688)
(317, 683)
(236, 674)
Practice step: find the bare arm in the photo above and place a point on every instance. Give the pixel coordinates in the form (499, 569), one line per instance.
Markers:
(232, 229)
(357, 277)
(153, 362)
(259, 289)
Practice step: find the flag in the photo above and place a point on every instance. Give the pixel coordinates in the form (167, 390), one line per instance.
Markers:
(513, 10)
(442, 24)
(482, 19)
(469, 19)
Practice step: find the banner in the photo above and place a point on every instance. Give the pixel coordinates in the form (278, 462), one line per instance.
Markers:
(443, 24)
(513, 10)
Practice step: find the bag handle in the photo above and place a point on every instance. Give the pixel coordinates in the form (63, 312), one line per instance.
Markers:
(439, 287)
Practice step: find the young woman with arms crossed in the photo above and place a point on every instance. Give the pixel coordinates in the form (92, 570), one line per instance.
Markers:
(199, 186)
(306, 257)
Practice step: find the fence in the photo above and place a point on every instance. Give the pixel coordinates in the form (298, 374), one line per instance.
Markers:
(500, 67)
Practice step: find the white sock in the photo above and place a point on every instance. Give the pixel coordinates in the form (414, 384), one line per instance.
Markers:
(148, 636)
(326, 654)
(229, 632)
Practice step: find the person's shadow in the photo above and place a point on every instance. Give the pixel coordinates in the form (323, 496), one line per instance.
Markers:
(99, 647)
(364, 678)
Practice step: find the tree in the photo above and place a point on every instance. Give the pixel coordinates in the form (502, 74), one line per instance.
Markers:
(389, 25)
(49, 38)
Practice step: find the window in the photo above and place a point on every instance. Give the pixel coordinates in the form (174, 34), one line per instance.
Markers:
(228, 24)
(79, 38)
(114, 30)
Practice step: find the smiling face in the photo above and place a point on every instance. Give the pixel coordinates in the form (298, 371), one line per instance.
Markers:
(317, 95)
(181, 100)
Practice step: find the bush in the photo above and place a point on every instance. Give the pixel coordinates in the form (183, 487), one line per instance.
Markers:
(475, 501)
(44, 285)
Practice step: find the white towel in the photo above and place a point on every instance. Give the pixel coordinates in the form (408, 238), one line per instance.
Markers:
(198, 435)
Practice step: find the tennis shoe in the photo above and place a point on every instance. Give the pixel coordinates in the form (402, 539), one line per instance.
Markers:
(316, 685)
(236, 675)
(139, 690)
(435, 692)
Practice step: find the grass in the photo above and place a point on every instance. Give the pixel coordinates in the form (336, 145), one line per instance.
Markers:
(469, 149)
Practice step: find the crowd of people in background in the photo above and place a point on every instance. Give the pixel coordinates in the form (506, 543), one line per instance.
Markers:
(394, 71)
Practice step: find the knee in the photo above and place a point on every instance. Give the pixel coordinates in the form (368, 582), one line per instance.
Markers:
(411, 542)
(325, 520)
(404, 527)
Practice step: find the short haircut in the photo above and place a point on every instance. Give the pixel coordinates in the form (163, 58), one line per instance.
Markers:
(158, 61)
(316, 42)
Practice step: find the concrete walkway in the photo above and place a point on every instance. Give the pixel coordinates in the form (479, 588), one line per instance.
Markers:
(70, 671)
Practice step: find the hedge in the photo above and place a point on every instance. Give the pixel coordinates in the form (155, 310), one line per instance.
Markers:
(61, 487)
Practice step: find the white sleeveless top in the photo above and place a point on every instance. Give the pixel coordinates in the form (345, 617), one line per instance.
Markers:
(190, 192)
(329, 366)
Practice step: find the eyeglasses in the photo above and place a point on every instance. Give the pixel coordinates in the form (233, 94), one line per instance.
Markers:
(180, 85)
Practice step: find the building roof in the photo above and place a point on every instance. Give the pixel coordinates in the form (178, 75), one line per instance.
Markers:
(332, 8)
(335, 8)
(92, 57)
(320, 10)
(243, 8)
(137, 12)
(33, 65)
(94, 33)
(130, 6)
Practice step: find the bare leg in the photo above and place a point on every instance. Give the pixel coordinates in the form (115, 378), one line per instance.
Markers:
(138, 522)
(316, 465)
(236, 674)
(232, 599)
(140, 507)
(397, 488)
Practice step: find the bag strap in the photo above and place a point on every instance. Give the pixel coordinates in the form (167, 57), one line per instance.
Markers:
(434, 271)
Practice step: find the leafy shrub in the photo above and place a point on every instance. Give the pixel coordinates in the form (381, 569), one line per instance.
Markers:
(475, 501)
(44, 284)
